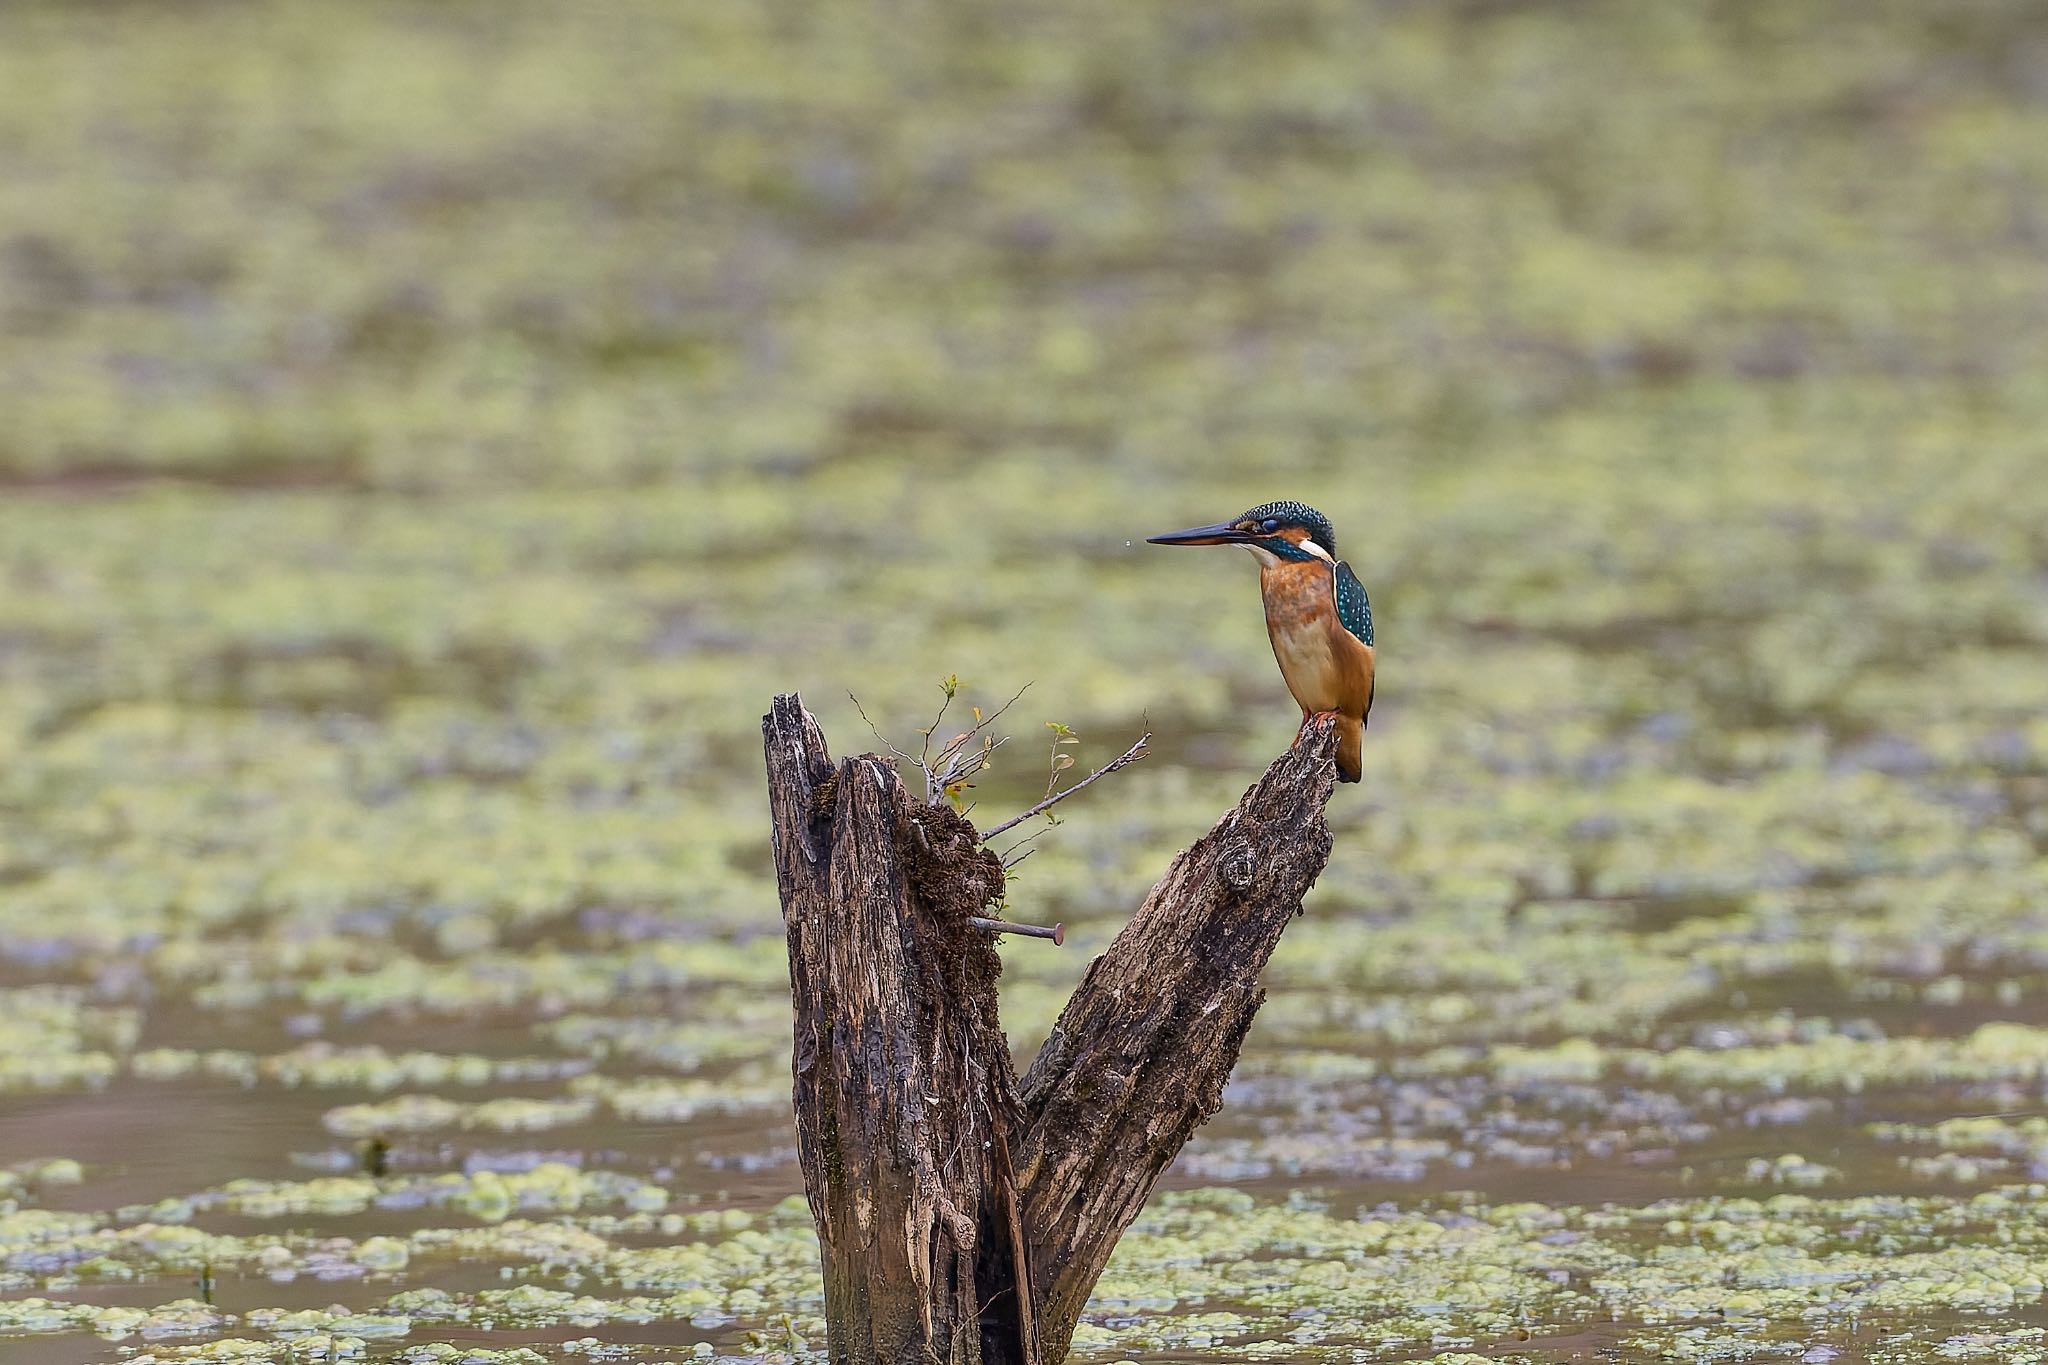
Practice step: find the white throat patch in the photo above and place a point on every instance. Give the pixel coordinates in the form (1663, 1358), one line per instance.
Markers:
(1267, 559)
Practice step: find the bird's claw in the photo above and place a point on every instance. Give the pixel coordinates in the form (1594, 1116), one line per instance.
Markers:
(1310, 718)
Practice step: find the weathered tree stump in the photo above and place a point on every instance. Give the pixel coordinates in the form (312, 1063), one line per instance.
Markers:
(963, 1217)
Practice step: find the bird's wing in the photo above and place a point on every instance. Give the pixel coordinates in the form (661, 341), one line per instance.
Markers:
(1354, 609)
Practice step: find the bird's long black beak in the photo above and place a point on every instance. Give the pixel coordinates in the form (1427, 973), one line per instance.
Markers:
(1223, 533)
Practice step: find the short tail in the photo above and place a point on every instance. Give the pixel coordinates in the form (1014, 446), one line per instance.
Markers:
(1350, 749)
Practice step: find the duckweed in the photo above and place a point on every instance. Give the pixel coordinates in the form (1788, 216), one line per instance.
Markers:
(435, 430)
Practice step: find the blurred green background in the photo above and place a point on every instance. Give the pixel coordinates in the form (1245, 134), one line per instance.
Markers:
(433, 431)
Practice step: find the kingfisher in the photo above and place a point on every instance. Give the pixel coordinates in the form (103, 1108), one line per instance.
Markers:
(1317, 615)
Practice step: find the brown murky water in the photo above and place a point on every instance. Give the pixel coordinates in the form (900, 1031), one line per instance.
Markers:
(434, 431)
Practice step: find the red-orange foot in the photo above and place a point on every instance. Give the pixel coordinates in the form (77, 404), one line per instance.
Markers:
(1309, 718)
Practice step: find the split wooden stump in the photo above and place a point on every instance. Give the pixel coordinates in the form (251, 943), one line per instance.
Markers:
(964, 1216)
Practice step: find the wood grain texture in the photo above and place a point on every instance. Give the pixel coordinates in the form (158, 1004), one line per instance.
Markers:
(1140, 1055)
(962, 1218)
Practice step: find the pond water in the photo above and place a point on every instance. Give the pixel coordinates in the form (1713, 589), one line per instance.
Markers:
(435, 431)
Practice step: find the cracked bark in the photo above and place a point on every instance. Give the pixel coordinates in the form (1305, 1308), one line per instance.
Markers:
(964, 1216)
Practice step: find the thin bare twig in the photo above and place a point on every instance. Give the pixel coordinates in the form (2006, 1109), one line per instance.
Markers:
(924, 754)
(1129, 756)
(996, 714)
(1030, 838)
(872, 729)
(956, 765)
(954, 762)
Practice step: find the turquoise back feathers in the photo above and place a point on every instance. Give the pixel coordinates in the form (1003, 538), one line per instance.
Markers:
(1354, 608)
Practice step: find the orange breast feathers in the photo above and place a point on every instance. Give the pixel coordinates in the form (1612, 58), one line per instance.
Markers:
(1327, 668)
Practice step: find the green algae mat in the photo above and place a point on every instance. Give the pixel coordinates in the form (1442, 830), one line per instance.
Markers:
(432, 432)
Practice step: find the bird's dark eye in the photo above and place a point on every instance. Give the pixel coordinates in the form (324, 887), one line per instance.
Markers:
(1270, 525)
